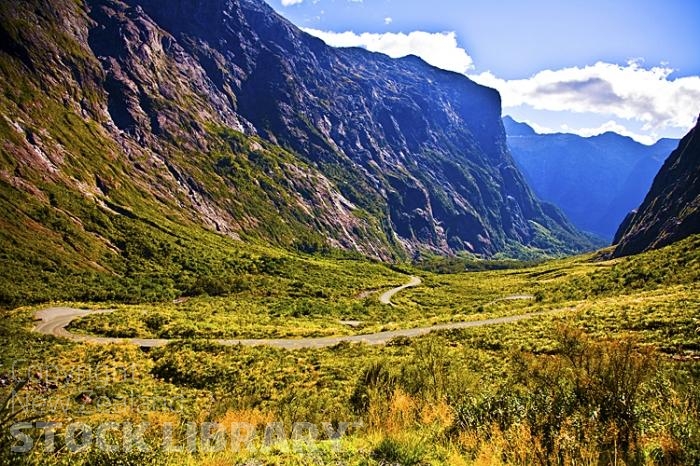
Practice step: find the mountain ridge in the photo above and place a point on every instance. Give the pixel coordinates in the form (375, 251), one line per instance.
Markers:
(127, 121)
(671, 210)
(247, 81)
(595, 180)
(399, 134)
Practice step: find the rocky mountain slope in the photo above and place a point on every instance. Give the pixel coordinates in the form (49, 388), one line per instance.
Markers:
(595, 180)
(151, 115)
(671, 209)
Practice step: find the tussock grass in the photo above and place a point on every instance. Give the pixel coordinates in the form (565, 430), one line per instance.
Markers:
(614, 378)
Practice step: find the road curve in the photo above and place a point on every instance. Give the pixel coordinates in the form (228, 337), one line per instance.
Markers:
(385, 297)
(53, 321)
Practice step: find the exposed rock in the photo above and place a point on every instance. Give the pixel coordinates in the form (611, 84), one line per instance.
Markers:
(671, 210)
(226, 115)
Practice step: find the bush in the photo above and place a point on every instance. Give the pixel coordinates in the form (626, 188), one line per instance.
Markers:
(403, 452)
(429, 373)
(376, 381)
(587, 394)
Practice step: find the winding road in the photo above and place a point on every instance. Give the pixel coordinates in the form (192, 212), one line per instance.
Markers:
(53, 321)
(385, 298)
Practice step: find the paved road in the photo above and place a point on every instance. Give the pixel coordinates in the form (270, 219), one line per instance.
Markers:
(53, 321)
(385, 298)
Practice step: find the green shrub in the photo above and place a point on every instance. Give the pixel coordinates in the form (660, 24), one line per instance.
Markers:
(376, 381)
(590, 391)
(392, 451)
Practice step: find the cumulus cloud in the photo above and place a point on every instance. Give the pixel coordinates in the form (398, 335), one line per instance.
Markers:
(440, 49)
(629, 96)
(631, 92)
(615, 127)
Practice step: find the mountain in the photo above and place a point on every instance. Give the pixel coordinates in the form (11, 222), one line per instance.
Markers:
(154, 115)
(418, 148)
(671, 210)
(517, 129)
(595, 180)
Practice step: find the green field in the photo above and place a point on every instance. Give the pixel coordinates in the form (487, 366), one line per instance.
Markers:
(611, 376)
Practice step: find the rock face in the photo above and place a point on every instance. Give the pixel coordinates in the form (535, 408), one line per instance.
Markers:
(671, 210)
(596, 181)
(225, 115)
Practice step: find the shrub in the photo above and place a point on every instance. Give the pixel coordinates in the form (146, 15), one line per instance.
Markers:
(429, 372)
(404, 452)
(588, 393)
(376, 381)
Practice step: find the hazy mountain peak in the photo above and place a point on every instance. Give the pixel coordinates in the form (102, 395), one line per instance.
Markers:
(516, 128)
(595, 180)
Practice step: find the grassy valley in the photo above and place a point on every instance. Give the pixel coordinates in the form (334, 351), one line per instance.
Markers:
(611, 375)
(223, 242)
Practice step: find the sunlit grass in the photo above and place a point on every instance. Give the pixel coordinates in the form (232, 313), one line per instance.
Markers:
(651, 301)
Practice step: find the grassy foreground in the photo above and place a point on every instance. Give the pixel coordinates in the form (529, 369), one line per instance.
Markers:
(612, 378)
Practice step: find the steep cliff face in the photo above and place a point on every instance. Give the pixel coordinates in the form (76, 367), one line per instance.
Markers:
(594, 180)
(671, 210)
(222, 114)
(418, 147)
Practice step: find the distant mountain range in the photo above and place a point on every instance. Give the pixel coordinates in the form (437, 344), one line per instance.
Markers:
(671, 210)
(595, 180)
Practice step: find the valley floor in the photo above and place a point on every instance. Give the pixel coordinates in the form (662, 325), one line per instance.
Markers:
(606, 369)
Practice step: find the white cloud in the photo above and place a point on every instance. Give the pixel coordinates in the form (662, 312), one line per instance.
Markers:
(619, 97)
(439, 49)
(291, 2)
(388, 20)
(631, 92)
(615, 127)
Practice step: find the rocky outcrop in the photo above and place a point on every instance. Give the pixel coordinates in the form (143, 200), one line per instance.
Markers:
(671, 210)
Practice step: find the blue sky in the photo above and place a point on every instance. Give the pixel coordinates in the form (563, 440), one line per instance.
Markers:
(577, 66)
